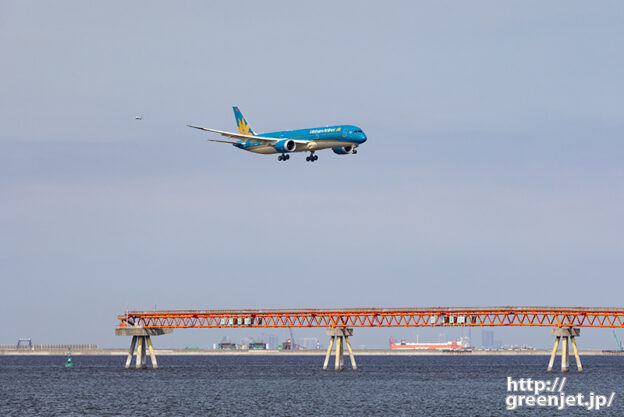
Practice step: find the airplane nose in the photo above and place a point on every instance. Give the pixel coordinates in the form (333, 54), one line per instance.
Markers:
(363, 138)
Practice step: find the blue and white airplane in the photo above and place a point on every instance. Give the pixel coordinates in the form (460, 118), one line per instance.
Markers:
(342, 139)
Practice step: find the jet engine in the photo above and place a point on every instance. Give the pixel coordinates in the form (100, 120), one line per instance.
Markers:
(344, 150)
(286, 145)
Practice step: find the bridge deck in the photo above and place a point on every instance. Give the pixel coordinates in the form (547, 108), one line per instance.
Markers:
(379, 317)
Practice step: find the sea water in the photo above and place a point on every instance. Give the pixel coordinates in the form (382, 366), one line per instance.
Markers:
(294, 386)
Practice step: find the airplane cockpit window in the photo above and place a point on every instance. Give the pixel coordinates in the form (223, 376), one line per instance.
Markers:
(357, 131)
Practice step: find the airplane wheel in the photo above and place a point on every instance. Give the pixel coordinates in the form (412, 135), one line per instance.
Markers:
(308, 158)
(315, 157)
(279, 158)
(287, 157)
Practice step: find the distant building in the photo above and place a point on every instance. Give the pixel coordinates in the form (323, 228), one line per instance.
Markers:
(227, 345)
(289, 345)
(487, 339)
(310, 343)
(272, 341)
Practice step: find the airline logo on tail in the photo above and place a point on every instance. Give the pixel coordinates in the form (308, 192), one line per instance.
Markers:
(243, 126)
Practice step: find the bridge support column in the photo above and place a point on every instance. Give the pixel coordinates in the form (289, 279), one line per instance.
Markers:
(341, 337)
(565, 333)
(142, 341)
(131, 351)
(139, 353)
(331, 344)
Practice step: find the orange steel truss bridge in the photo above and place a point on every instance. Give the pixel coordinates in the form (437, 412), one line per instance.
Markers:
(379, 317)
(565, 321)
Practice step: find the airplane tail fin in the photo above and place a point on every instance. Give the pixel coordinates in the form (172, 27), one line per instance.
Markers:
(243, 126)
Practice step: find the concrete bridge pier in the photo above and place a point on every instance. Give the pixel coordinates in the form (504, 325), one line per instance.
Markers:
(141, 343)
(562, 334)
(341, 337)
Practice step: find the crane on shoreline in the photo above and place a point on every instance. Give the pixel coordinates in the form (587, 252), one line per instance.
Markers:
(618, 343)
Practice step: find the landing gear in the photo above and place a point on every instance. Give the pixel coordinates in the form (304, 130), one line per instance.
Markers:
(283, 157)
(312, 157)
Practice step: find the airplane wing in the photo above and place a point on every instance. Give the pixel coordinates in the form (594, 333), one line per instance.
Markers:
(238, 136)
(250, 138)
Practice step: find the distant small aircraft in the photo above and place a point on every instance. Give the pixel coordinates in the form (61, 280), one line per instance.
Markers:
(342, 139)
(140, 117)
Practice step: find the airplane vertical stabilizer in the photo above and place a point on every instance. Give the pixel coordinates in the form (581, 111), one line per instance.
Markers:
(243, 126)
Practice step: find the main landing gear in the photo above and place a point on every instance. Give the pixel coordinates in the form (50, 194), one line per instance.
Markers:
(312, 157)
(283, 157)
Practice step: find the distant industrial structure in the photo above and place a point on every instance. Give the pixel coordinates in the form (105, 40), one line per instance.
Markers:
(250, 345)
(619, 346)
(26, 344)
(310, 343)
(247, 343)
(289, 344)
(22, 341)
(227, 345)
(447, 346)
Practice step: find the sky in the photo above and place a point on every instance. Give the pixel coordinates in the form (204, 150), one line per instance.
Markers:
(492, 174)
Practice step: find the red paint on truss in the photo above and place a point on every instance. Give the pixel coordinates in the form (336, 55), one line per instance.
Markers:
(373, 317)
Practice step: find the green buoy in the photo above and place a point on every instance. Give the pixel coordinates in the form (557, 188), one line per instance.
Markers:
(69, 360)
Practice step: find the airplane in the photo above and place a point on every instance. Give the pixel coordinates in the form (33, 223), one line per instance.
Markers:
(138, 117)
(342, 139)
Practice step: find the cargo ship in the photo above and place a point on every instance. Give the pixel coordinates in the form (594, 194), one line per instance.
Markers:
(453, 346)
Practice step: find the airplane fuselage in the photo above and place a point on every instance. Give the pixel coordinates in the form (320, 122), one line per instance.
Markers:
(318, 138)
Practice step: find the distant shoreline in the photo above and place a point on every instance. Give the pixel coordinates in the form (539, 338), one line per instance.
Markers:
(273, 352)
